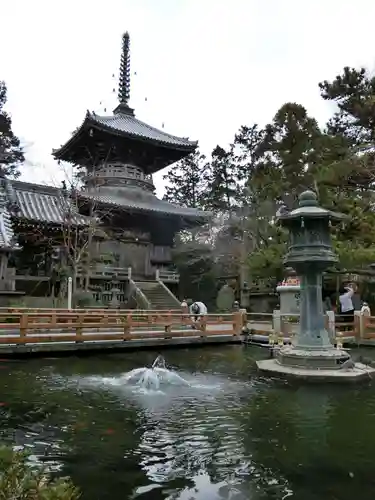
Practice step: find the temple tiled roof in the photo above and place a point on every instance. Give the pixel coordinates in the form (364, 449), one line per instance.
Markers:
(139, 200)
(130, 126)
(40, 203)
(36, 202)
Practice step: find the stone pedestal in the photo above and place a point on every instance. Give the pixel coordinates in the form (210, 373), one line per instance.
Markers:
(289, 292)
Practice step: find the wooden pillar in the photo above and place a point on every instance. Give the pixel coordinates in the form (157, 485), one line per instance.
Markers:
(3, 271)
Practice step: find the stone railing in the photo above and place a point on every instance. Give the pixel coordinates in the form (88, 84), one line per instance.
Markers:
(167, 276)
(101, 270)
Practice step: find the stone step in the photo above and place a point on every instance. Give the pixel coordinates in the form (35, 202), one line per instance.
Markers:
(158, 297)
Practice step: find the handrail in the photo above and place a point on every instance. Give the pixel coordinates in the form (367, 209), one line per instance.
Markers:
(135, 289)
(95, 311)
(10, 318)
(78, 327)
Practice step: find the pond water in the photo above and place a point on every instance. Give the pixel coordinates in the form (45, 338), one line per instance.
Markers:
(226, 434)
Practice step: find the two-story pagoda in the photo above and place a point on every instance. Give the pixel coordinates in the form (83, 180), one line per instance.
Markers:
(117, 155)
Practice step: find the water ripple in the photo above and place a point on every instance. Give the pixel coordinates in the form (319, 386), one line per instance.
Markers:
(226, 435)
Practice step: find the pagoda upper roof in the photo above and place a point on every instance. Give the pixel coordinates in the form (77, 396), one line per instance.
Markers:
(125, 125)
(101, 137)
(128, 125)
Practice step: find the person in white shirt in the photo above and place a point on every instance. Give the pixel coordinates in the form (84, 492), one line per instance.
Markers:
(365, 309)
(346, 304)
(197, 310)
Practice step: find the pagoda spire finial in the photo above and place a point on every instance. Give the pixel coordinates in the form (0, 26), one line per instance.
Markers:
(124, 80)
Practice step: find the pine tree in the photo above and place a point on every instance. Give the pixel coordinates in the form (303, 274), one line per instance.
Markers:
(291, 148)
(247, 148)
(185, 181)
(11, 153)
(354, 93)
(221, 181)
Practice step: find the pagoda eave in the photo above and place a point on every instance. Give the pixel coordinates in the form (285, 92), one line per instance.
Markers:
(94, 142)
(156, 208)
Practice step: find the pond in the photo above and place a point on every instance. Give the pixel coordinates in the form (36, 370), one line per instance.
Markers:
(228, 434)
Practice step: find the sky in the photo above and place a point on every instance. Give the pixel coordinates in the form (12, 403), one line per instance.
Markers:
(203, 67)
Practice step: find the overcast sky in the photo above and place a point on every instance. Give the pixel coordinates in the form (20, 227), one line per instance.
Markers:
(203, 67)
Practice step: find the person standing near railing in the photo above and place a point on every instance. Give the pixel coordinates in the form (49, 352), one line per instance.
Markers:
(346, 303)
(184, 304)
(365, 309)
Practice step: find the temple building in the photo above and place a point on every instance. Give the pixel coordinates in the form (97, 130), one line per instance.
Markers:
(111, 232)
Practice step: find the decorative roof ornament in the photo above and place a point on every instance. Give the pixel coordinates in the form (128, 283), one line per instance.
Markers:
(124, 79)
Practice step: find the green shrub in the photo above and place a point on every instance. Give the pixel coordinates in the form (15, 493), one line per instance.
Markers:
(84, 299)
(19, 481)
(225, 299)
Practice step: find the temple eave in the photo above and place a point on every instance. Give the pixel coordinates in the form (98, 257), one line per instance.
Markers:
(152, 206)
(83, 137)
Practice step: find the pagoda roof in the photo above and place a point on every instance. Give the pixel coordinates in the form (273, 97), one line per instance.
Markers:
(128, 125)
(125, 125)
(100, 137)
(138, 200)
(40, 203)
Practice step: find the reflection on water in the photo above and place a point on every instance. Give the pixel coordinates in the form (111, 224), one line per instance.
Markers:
(203, 427)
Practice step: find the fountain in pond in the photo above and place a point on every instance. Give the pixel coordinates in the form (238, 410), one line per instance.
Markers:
(312, 356)
(154, 378)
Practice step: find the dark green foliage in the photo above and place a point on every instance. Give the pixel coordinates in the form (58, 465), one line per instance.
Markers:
(265, 167)
(18, 481)
(290, 152)
(225, 299)
(11, 153)
(185, 181)
(83, 299)
(354, 93)
(221, 182)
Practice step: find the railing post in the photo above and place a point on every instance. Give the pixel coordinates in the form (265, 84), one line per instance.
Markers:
(203, 325)
(360, 322)
(127, 327)
(23, 327)
(129, 273)
(244, 318)
(70, 288)
(79, 328)
(168, 326)
(237, 323)
(331, 326)
(276, 320)
(157, 274)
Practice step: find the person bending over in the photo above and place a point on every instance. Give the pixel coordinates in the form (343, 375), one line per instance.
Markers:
(198, 310)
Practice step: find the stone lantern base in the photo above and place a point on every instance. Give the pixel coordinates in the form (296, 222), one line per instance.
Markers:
(326, 365)
(329, 359)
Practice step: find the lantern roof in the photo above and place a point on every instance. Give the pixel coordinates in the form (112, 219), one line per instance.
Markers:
(308, 207)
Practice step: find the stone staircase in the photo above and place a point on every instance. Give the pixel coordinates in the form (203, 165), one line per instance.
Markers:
(157, 295)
